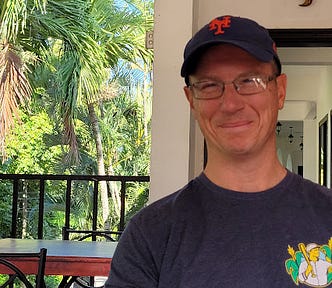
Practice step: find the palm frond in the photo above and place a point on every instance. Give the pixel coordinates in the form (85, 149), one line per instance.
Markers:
(14, 90)
(13, 19)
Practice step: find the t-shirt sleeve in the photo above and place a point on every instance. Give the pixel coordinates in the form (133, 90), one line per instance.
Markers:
(133, 264)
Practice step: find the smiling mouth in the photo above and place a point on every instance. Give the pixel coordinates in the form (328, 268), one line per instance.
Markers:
(236, 124)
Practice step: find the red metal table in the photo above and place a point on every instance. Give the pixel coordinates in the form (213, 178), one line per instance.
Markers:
(64, 257)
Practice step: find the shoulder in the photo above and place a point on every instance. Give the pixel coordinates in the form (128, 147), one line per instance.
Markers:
(148, 232)
(172, 204)
(306, 188)
(158, 219)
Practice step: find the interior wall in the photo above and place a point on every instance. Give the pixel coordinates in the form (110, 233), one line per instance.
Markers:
(310, 150)
(304, 88)
(269, 13)
(325, 108)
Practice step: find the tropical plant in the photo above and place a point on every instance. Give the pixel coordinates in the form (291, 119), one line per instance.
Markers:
(85, 63)
(78, 42)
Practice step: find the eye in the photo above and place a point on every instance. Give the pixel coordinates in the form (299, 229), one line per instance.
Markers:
(250, 81)
(207, 87)
(250, 85)
(254, 80)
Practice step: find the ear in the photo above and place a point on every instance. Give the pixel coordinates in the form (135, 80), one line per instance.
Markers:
(190, 96)
(282, 85)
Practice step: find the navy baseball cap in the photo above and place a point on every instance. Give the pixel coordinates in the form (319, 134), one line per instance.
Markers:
(241, 32)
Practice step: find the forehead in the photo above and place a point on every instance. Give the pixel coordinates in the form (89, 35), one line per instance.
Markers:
(229, 56)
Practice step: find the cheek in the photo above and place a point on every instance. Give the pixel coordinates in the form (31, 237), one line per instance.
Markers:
(268, 114)
(269, 102)
(275, 106)
(204, 110)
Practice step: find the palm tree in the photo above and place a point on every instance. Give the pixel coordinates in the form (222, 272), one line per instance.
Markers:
(89, 37)
(15, 88)
(127, 29)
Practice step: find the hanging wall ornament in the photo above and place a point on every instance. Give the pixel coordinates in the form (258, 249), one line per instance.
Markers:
(278, 127)
(306, 3)
(290, 136)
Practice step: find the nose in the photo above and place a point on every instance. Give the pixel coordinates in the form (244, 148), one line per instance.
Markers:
(231, 100)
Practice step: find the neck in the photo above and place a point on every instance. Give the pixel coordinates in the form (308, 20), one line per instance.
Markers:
(245, 174)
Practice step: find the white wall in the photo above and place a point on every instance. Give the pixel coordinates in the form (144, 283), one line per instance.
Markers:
(171, 116)
(324, 107)
(306, 84)
(269, 13)
(174, 23)
(310, 150)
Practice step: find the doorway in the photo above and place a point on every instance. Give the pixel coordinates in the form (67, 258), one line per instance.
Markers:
(290, 145)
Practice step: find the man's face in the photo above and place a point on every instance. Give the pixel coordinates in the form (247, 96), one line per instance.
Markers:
(236, 124)
(314, 254)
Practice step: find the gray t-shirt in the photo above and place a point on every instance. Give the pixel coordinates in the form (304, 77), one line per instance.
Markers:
(204, 236)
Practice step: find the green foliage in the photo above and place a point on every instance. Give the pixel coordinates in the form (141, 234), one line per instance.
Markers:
(28, 150)
(5, 209)
(137, 198)
(79, 52)
(126, 145)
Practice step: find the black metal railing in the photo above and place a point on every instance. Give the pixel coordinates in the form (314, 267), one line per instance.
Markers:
(42, 178)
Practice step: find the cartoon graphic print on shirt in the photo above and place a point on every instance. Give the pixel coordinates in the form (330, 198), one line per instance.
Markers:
(311, 264)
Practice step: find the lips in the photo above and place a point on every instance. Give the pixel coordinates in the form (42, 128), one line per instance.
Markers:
(235, 124)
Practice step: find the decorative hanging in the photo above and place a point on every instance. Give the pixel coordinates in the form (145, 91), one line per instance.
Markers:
(306, 3)
(290, 136)
(278, 128)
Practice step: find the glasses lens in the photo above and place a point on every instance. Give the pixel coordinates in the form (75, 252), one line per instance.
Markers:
(243, 85)
(250, 85)
(208, 89)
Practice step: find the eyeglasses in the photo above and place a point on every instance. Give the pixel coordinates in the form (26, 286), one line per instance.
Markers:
(248, 85)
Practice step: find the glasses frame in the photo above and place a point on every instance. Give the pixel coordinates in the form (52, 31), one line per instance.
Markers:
(261, 79)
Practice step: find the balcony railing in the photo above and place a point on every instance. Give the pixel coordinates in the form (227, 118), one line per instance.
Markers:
(15, 179)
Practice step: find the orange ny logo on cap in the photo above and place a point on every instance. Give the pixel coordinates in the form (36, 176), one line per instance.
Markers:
(218, 25)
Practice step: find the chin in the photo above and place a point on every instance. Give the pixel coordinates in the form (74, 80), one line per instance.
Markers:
(240, 152)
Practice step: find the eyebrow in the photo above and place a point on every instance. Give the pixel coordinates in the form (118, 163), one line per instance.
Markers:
(214, 79)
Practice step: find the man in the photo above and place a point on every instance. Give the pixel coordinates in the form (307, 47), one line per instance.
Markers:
(316, 267)
(233, 225)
